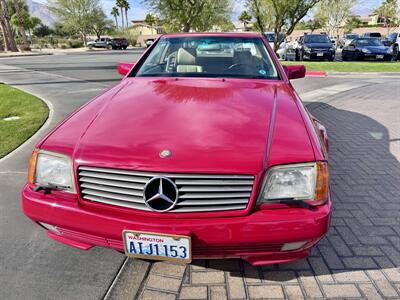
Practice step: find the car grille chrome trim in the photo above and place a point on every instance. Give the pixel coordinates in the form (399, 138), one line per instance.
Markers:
(197, 192)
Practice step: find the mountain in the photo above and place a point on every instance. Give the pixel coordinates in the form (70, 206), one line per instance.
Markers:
(40, 11)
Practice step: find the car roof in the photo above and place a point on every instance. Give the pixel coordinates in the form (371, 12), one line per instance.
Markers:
(222, 34)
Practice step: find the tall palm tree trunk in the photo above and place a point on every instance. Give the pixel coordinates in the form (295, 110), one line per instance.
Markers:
(122, 17)
(25, 45)
(9, 41)
(126, 17)
(116, 22)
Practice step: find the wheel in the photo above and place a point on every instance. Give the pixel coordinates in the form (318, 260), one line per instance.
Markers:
(297, 56)
(301, 56)
(125, 47)
(109, 47)
(331, 58)
(90, 47)
(396, 54)
(344, 56)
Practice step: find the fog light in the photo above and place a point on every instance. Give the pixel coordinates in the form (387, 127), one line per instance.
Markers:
(293, 246)
(49, 227)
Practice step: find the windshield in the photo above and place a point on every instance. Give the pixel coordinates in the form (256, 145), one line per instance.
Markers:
(208, 56)
(369, 42)
(351, 36)
(374, 34)
(319, 38)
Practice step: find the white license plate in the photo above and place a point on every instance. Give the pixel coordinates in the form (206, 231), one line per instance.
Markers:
(379, 56)
(320, 54)
(157, 246)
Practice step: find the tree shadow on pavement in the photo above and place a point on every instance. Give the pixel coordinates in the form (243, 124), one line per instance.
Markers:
(365, 231)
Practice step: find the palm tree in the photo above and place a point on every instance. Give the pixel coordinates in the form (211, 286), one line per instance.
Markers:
(21, 28)
(115, 14)
(8, 34)
(151, 21)
(245, 18)
(126, 7)
(120, 4)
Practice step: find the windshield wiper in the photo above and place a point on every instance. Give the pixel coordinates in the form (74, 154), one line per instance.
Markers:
(47, 188)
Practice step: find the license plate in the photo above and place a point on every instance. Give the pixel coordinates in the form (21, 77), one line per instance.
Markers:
(379, 56)
(320, 54)
(157, 246)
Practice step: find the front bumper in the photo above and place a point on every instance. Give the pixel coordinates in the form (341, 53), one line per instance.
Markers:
(257, 238)
(313, 55)
(374, 56)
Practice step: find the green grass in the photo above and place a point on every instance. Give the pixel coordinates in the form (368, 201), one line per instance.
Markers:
(354, 66)
(32, 113)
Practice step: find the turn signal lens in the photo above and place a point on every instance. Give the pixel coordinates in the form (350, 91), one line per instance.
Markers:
(322, 184)
(32, 167)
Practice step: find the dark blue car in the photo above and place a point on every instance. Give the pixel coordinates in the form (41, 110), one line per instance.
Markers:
(366, 49)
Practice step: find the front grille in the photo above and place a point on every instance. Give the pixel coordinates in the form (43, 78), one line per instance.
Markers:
(197, 192)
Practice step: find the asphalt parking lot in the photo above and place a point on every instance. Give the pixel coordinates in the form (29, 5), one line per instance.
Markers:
(360, 258)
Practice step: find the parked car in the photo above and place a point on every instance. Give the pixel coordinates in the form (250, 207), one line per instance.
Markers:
(194, 170)
(315, 46)
(281, 52)
(376, 35)
(271, 38)
(346, 39)
(119, 43)
(149, 42)
(100, 43)
(108, 43)
(394, 39)
(366, 49)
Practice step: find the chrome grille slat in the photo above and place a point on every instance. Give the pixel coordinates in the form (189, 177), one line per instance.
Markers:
(113, 196)
(214, 182)
(206, 189)
(110, 189)
(212, 202)
(213, 195)
(135, 186)
(114, 177)
(117, 203)
(209, 208)
(197, 192)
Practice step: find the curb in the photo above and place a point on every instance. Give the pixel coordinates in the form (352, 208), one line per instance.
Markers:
(316, 74)
(24, 55)
(366, 73)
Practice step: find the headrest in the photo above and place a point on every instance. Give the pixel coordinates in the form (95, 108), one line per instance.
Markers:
(244, 55)
(185, 57)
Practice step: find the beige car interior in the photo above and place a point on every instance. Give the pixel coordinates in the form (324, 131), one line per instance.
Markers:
(186, 62)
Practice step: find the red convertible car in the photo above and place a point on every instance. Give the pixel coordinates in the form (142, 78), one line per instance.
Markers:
(203, 150)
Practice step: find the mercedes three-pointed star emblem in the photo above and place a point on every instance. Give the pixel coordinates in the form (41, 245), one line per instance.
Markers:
(160, 194)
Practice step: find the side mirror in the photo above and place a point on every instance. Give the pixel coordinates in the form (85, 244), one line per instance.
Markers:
(295, 72)
(125, 68)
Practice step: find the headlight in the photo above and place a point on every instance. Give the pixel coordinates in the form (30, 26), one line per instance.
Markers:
(307, 48)
(308, 181)
(333, 48)
(50, 168)
(365, 50)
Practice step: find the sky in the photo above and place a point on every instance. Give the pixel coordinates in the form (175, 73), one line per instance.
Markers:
(139, 11)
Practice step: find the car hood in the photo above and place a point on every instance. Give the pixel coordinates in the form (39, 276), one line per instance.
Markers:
(209, 125)
(376, 49)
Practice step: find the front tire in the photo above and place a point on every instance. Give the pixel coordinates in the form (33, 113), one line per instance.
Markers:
(396, 54)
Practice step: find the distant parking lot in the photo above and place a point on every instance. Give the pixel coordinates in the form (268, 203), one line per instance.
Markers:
(360, 257)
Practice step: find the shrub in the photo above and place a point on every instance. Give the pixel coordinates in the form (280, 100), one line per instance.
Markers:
(75, 43)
